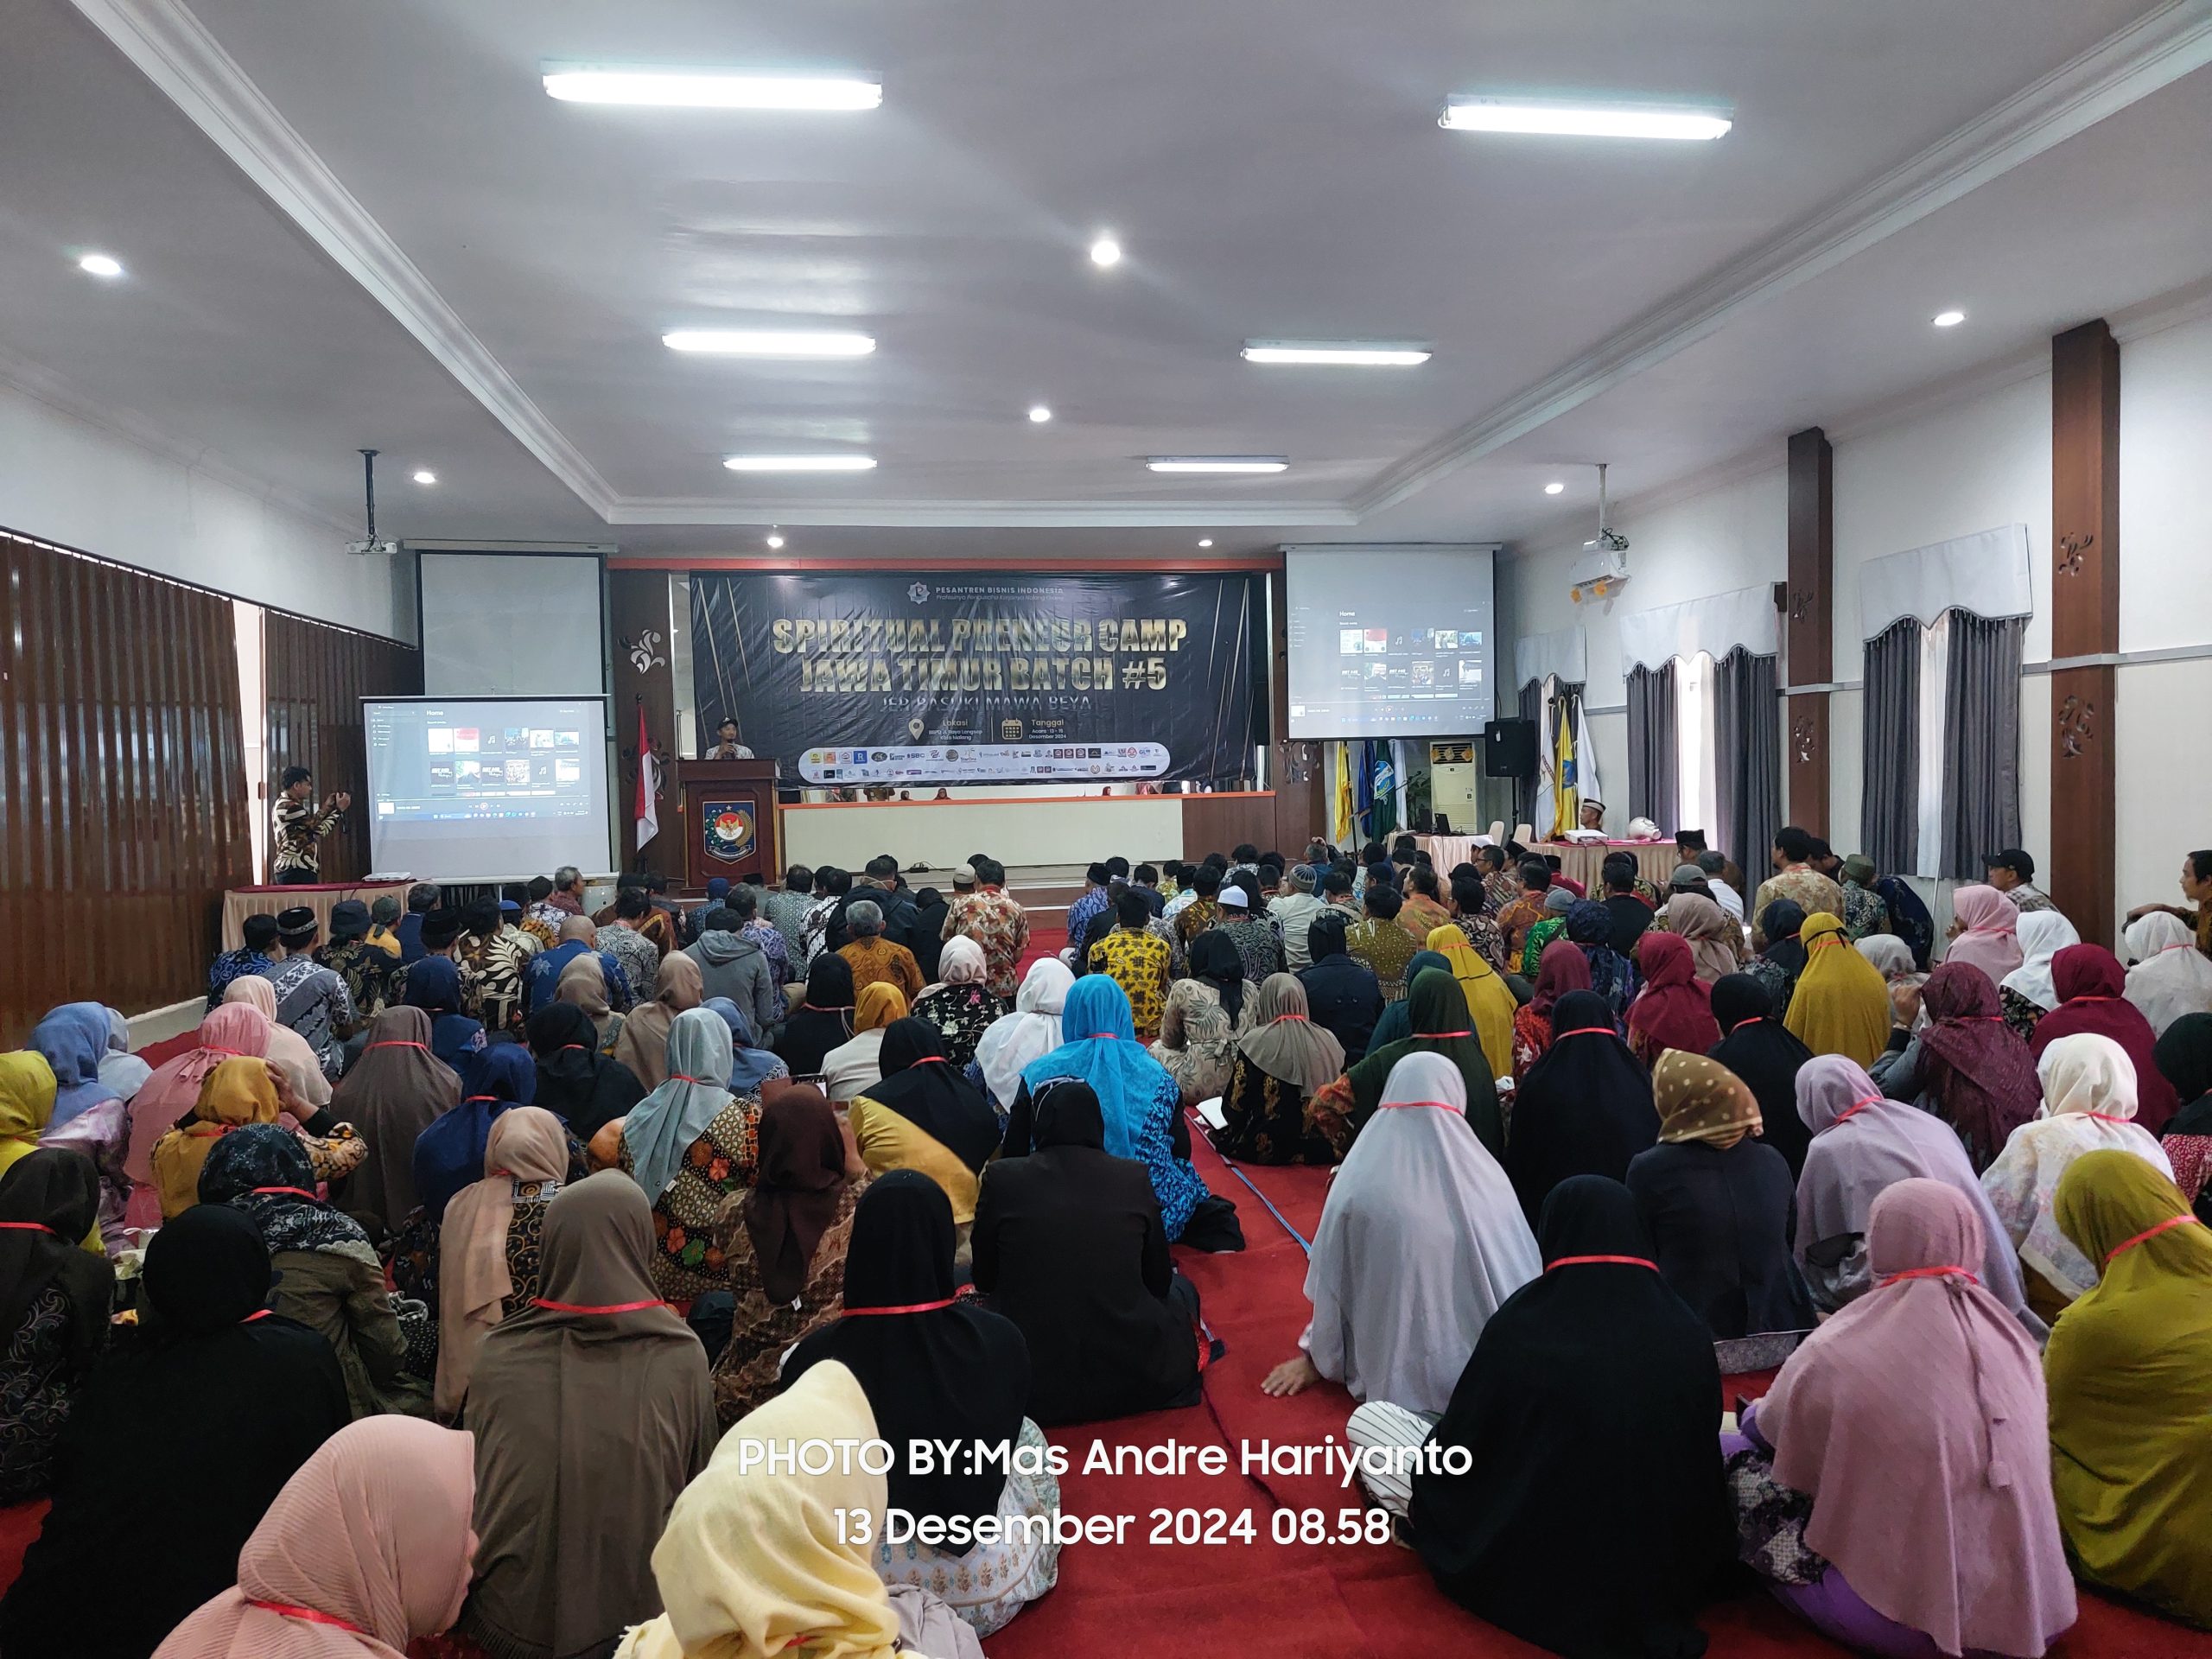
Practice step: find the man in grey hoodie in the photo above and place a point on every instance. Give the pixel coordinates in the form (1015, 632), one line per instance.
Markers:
(732, 966)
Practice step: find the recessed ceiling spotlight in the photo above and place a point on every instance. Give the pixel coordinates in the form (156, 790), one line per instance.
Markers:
(100, 264)
(1105, 252)
(1948, 319)
(1039, 413)
(707, 89)
(1339, 353)
(1554, 488)
(1584, 120)
(1205, 541)
(774, 540)
(769, 342)
(800, 463)
(425, 475)
(1216, 463)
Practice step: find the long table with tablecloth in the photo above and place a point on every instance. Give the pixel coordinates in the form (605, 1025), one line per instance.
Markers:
(242, 902)
(1582, 860)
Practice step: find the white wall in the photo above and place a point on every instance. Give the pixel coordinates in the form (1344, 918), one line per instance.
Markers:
(1981, 461)
(66, 481)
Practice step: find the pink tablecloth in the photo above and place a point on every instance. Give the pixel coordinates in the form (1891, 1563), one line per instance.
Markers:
(1584, 861)
(242, 902)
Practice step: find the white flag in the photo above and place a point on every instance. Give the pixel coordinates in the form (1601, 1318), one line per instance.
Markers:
(648, 811)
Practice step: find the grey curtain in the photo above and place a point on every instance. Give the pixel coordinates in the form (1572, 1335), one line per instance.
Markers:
(1889, 810)
(1981, 741)
(1652, 790)
(1747, 735)
(1524, 789)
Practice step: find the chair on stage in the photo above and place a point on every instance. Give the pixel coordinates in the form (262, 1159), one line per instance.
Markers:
(1497, 832)
(1523, 833)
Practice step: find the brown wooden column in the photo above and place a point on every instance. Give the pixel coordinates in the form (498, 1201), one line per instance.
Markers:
(1293, 769)
(1811, 635)
(2084, 623)
(637, 605)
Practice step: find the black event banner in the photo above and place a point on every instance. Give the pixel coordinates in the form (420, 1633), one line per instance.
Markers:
(902, 679)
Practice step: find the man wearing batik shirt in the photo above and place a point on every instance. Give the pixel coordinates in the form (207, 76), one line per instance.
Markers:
(251, 958)
(623, 940)
(1259, 946)
(541, 917)
(1097, 900)
(1527, 910)
(1795, 879)
(294, 857)
(310, 999)
(366, 969)
(1380, 943)
(1204, 909)
(785, 909)
(1135, 958)
(994, 921)
(497, 953)
(744, 903)
(1469, 895)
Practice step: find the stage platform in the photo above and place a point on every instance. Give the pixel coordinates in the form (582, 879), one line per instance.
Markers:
(1075, 827)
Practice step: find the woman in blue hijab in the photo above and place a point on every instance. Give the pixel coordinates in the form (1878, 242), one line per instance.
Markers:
(434, 986)
(751, 1065)
(449, 1154)
(1142, 1104)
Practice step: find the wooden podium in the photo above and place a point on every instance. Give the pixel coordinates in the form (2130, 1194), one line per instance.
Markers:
(728, 809)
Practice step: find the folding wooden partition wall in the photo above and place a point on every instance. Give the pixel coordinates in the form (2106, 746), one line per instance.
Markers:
(316, 676)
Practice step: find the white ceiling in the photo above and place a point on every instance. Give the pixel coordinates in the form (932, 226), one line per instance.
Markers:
(352, 225)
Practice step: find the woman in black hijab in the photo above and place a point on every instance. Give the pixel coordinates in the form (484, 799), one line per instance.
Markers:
(55, 1297)
(925, 1115)
(1593, 1390)
(1765, 1053)
(939, 1369)
(823, 1021)
(2183, 1056)
(1585, 1108)
(1777, 966)
(1216, 962)
(586, 1089)
(198, 1418)
(1069, 1246)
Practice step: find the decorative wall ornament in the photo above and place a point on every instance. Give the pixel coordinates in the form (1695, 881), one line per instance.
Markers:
(2077, 719)
(1804, 741)
(2071, 550)
(644, 652)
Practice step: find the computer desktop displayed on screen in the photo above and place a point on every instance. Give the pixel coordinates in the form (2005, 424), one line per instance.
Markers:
(1389, 642)
(486, 786)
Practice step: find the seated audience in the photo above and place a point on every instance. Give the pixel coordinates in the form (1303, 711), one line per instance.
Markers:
(2170, 977)
(1894, 1477)
(623, 936)
(922, 1114)
(1985, 930)
(1439, 1023)
(261, 1394)
(1420, 1243)
(56, 1298)
(236, 1093)
(1547, 1414)
(1716, 940)
(1489, 999)
(1342, 991)
(433, 985)
(1552, 924)
(1279, 1062)
(91, 1115)
(960, 1007)
(27, 1092)
(1863, 1145)
(253, 957)
(583, 985)
(1378, 941)
(585, 1087)
(1781, 956)
(577, 941)
(1795, 880)
(823, 1018)
(2088, 1084)
(1585, 1109)
(1891, 956)
(2091, 984)
(754, 1069)
(2184, 1059)
(1674, 1009)
(1719, 1202)
(2027, 993)
(937, 1368)
(1197, 1043)
(1293, 912)
(1759, 1049)
(1031, 1032)
(1398, 1021)
(1069, 1244)
(873, 958)
(1525, 908)
(489, 1242)
(449, 1154)
(1254, 935)
(286, 1048)
(1217, 963)
(1625, 908)
(2131, 1445)
(1612, 975)
(678, 988)
(400, 1494)
(1424, 910)
(1967, 1066)
(690, 1145)
(1840, 1004)
(1137, 960)
(738, 968)
(397, 1089)
(328, 1276)
(1562, 968)
(854, 1064)
(231, 1031)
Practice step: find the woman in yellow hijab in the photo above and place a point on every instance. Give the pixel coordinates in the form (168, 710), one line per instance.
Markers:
(2131, 1442)
(755, 1564)
(1841, 1005)
(236, 1092)
(1488, 1001)
(27, 1092)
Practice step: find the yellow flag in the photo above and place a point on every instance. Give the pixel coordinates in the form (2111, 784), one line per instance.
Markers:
(1566, 799)
(1344, 795)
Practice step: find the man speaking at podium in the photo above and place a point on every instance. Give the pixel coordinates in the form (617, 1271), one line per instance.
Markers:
(294, 857)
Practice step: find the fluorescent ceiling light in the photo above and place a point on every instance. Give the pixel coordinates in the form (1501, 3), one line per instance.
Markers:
(1348, 353)
(769, 342)
(100, 264)
(774, 540)
(1216, 463)
(1105, 252)
(1948, 319)
(1039, 413)
(800, 463)
(1583, 120)
(1554, 488)
(425, 476)
(1205, 541)
(707, 89)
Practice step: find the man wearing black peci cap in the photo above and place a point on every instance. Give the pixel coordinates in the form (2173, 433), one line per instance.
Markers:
(310, 999)
(366, 969)
(2012, 873)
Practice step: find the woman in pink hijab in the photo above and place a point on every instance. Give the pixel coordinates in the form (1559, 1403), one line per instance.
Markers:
(1913, 1423)
(1985, 930)
(366, 1549)
(287, 1048)
(232, 1031)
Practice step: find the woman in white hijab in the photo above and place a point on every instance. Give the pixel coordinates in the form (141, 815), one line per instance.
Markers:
(1030, 1032)
(2026, 994)
(1420, 1240)
(1889, 953)
(2170, 977)
(2088, 1091)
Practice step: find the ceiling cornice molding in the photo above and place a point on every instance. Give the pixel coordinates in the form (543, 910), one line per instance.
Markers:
(2153, 52)
(36, 381)
(979, 515)
(172, 48)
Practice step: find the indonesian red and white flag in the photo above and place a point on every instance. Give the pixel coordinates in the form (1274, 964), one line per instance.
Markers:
(648, 814)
